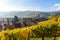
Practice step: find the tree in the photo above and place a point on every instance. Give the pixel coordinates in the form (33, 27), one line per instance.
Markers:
(15, 19)
(54, 30)
(40, 32)
(7, 20)
(38, 15)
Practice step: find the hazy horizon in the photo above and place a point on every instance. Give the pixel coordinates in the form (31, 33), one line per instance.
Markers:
(8, 7)
(29, 5)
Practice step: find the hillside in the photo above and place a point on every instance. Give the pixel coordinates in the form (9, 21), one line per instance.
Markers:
(28, 13)
(47, 29)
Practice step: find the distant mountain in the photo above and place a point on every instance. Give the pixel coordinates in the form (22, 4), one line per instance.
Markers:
(28, 14)
(36, 13)
(54, 13)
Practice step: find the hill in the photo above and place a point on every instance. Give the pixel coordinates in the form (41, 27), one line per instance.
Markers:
(28, 14)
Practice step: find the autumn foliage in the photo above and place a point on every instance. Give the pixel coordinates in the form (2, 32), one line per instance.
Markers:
(49, 28)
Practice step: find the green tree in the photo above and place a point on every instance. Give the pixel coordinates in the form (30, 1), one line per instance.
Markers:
(40, 32)
(54, 30)
(15, 19)
(7, 20)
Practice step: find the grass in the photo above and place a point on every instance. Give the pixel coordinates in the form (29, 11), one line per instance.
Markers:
(58, 38)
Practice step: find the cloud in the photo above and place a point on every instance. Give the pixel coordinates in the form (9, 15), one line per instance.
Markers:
(18, 8)
(4, 6)
(56, 7)
(3, 1)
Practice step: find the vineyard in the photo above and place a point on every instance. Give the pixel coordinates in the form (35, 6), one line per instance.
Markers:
(46, 30)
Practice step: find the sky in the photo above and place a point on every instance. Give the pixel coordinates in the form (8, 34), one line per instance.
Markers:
(29, 5)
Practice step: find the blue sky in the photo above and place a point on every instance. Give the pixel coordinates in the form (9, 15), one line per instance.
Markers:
(30, 5)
